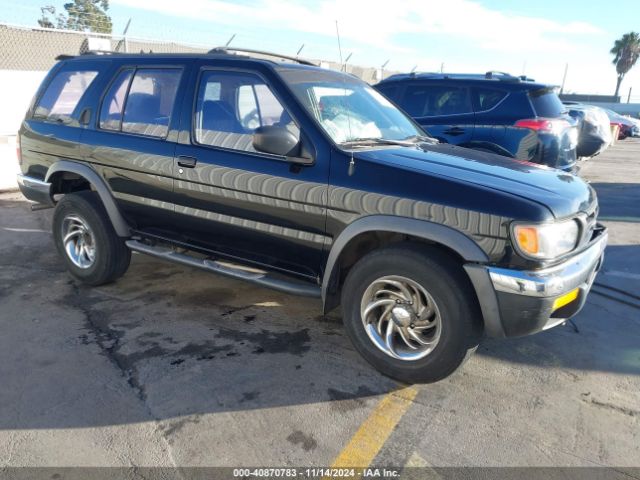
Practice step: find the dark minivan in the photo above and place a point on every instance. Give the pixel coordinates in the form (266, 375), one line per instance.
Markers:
(308, 181)
(494, 112)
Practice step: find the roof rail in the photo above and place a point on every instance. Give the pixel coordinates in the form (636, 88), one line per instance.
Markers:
(232, 51)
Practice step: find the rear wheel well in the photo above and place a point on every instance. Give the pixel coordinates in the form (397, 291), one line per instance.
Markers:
(68, 182)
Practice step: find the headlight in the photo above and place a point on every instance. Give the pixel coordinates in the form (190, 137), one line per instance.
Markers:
(546, 241)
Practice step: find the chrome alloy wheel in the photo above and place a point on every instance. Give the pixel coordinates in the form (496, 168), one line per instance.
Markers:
(78, 241)
(401, 318)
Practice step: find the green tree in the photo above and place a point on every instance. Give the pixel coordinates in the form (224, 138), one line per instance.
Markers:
(82, 15)
(626, 51)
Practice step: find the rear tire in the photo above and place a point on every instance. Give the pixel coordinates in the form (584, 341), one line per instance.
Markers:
(87, 241)
(438, 289)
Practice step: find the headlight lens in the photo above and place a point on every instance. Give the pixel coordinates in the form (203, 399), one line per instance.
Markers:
(546, 241)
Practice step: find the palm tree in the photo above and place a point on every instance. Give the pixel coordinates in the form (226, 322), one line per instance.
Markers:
(626, 51)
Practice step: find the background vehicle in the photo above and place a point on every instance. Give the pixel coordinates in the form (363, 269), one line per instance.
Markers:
(310, 182)
(495, 112)
(627, 127)
(594, 131)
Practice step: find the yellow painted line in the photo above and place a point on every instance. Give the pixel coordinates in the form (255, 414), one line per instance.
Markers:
(375, 430)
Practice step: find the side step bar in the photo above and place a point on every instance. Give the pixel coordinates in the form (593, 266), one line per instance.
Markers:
(261, 278)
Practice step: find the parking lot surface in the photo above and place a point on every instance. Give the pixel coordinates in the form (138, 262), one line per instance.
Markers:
(171, 366)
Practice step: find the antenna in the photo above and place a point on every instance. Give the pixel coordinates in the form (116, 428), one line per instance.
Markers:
(442, 67)
(300, 49)
(339, 46)
(414, 68)
(352, 163)
(230, 40)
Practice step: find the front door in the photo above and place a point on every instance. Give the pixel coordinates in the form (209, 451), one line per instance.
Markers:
(235, 200)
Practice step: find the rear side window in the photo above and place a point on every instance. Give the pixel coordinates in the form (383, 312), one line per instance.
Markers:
(436, 100)
(150, 101)
(487, 98)
(63, 94)
(113, 103)
(546, 103)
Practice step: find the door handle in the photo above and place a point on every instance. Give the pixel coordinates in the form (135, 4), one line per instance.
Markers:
(187, 162)
(454, 131)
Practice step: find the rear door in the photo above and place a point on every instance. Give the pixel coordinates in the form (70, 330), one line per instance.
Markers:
(443, 110)
(133, 139)
(237, 201)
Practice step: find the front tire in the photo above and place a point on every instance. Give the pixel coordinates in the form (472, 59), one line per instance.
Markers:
(411, 312)
(87, 241)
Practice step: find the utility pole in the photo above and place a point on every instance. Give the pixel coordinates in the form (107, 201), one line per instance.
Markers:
(124, 35)
(346, 60)
(564, 77)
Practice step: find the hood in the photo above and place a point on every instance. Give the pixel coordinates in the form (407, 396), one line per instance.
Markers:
(562, 193)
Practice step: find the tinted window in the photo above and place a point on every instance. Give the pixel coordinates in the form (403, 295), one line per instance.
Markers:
(431, 101)
(486, 99)
(150, 101)
(546, 103)
(63, 94)
(242, 103)
(113, 103)
(389, 91)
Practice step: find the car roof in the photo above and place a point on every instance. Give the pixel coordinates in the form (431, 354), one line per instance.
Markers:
(501, 79)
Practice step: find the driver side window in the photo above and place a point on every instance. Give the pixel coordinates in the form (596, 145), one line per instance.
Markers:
(243, 102)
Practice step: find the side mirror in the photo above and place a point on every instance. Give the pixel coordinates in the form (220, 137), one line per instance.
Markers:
(276, 140)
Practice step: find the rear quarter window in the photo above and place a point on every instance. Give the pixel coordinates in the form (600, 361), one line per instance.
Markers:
(63, 94)
(546, 103)
(486, 98)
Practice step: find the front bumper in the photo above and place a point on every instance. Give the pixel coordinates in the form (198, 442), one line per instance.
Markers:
(35, 189)
(517, 302)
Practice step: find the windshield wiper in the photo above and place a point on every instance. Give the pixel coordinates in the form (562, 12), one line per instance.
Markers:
(421, 139)
(377, 141)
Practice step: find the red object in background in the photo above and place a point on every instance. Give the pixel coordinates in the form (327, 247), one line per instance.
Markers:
(623, 130)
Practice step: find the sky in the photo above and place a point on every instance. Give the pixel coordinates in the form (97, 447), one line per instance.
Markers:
(537, 38)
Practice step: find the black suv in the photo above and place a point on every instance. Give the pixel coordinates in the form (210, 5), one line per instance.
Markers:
(494, 112)
(308, 181)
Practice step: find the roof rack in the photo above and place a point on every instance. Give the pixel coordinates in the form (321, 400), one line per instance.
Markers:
(233, 51)
(490, 75)
(66, 56)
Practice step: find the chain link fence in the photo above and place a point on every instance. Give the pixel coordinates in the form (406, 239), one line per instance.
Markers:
(36, 49)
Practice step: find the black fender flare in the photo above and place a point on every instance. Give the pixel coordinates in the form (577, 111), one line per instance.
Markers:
(90, 175)
(464, 246)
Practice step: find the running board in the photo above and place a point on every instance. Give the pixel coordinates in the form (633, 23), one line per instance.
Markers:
(258, 277)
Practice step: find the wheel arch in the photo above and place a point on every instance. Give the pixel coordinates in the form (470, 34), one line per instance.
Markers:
(447, 238)
(92, 177)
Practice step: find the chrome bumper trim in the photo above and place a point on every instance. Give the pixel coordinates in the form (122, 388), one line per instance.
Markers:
(552, 281)
(34, 183)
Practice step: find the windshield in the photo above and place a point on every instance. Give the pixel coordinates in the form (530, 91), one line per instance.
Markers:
(348, 109)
